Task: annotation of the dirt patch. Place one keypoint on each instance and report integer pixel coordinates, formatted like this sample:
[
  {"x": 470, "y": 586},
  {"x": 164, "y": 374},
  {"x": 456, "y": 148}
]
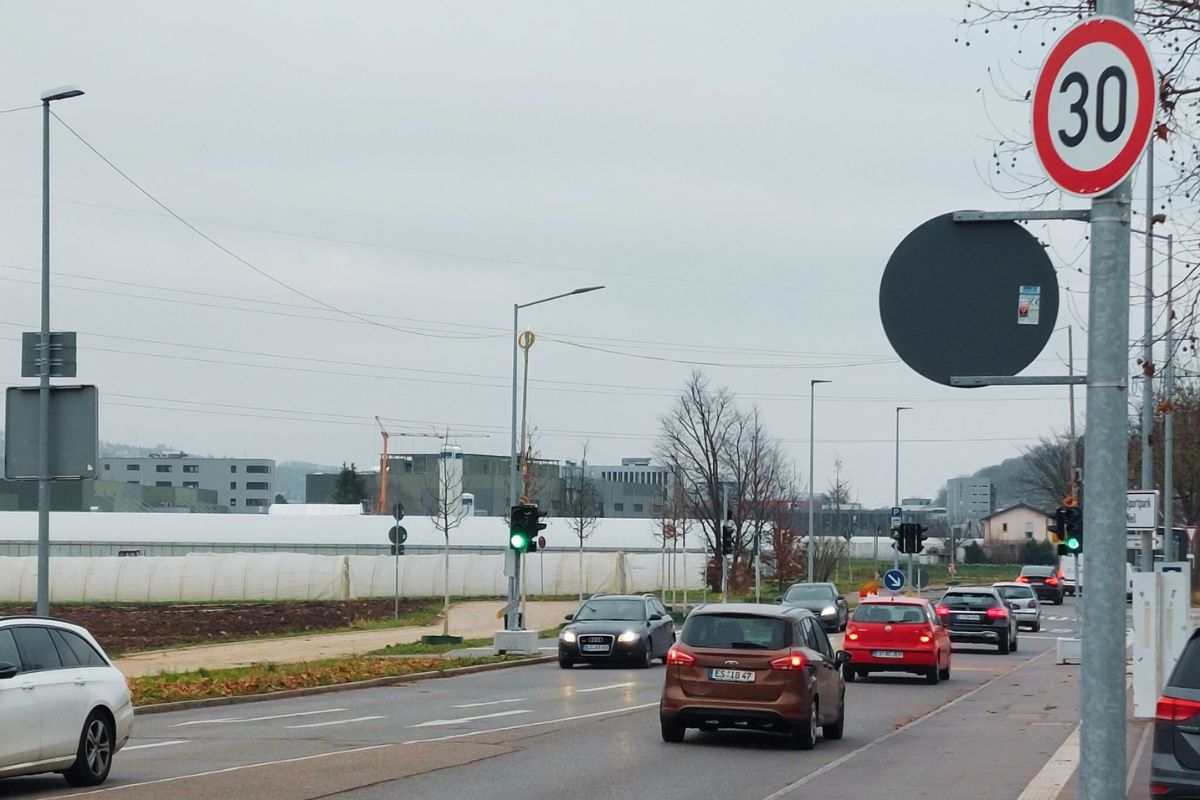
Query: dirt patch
[{"x": 128, "y": 628}]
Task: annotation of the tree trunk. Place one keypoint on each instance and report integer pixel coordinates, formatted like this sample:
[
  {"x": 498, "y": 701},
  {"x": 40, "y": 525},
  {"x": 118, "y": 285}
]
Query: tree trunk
[{"x": 446, "y": 587}]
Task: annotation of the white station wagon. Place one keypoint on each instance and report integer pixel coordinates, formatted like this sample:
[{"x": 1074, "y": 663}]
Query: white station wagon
[{"x": 65, "y": 707}]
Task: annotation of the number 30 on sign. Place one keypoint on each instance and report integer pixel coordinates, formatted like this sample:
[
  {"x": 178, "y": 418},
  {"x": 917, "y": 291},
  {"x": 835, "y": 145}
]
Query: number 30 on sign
[{"x": 1093, "y": 106}]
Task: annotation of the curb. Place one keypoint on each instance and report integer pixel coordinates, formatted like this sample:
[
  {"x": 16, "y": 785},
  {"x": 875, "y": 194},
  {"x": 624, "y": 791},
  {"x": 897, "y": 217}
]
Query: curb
[{"x": 391, "y": 680}]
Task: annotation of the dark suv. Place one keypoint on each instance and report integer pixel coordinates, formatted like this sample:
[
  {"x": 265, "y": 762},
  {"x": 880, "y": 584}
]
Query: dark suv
[
  {"x": 1045, "y": 582},
  {"x": 748, "y": 665},
  {"x": 978, "y": 615},
  {"x": 1175, "y": 765}
]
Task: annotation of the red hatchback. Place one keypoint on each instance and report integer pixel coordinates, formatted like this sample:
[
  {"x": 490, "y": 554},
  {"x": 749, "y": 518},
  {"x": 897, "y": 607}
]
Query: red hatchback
[{"x": 897, "y": 634}]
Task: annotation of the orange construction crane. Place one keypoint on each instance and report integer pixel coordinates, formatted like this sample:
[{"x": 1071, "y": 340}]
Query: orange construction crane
[{"x": 381, "y": 505}]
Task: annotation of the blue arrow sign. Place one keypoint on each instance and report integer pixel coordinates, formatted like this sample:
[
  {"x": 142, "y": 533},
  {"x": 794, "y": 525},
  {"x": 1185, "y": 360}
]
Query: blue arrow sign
[{"x": 893, "y": 580}]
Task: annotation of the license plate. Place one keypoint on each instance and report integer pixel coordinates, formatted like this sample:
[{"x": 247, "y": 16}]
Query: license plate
[
  {"x": 969, "y": 618},
  {"x": 887, "y": 654},
  {"x": 595, "y": 648},
  {"x": 732, "y": 675}
]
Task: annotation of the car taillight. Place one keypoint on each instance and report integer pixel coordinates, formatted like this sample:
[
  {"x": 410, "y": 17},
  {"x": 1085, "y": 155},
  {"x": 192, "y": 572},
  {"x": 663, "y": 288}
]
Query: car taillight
[
  {"x": 997, "y": 613},
  {"x": 1052, "y": 581},
  {"x": 924, "y": 638},
  {"x": 1172, "y": 709},
  {"x": 790, "y": 661},
  {"x": 680, "y": 658},
  {"x": 1022, "y": 579},
  {"x": 1159, "y": 788},
  {"x": 942, "y": 611},
  {"x": 852, "y": 634}
]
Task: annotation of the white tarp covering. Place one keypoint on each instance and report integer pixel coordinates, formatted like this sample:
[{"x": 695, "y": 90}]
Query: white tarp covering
[{"x": 209, "y": 577}]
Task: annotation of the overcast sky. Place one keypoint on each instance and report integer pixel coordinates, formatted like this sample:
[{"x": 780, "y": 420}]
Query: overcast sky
[{"x": 736, "y": 174}]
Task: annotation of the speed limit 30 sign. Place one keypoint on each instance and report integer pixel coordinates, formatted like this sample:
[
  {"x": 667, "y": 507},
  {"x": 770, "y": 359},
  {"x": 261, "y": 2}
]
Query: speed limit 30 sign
[{"x": 1093, "y": 106}]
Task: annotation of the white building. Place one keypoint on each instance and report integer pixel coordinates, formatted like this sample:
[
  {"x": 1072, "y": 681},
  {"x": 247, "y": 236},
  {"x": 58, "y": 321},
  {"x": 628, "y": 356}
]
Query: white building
[{"x": 243, "y": 485}]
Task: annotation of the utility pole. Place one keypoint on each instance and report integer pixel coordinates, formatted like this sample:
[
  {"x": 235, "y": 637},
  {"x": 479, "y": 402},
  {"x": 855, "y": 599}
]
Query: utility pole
[
  {"x": 1102, "y": 769},
  {"x": 1074, "y": 447},
  {"x": 1147, "y": 482},
  {"x": 1169, "y": 553}
]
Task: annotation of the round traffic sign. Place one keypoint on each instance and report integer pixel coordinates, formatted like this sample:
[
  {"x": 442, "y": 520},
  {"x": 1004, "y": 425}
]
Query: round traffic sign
[
  {"x": 1093, "y": 106},
  {"x": 541, "y": 542},
  {"x": 893, "y": 580},
  {"x": 398, "y": 535}
]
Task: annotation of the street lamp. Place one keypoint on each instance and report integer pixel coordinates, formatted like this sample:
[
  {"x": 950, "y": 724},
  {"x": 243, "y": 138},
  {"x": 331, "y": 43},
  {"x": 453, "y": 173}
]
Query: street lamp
[
  {"x": 514, "y": 580},
  {"x": 812, "y": 538},
  {"x": 43, "y": 555},
  {"x": 896, "y": 553}
]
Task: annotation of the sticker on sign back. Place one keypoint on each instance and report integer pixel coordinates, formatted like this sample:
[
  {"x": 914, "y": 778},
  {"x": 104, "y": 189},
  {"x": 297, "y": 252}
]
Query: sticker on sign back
[{"x": 1029, "y": 304}]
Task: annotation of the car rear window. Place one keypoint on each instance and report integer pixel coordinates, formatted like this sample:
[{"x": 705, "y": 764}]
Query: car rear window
[
  {"x": 1015, "y": 592},
  {"x": 1041, "y": 572},
  {"x": 890, "y": 614},
  {"x": 736, "y": 632},
  {"x": 1187, "y": 671},
  {"x": 969, "y": 601}
]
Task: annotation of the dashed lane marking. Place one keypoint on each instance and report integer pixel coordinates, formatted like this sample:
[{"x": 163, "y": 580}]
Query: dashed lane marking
[
  {"x": 333, "y": 722},
  {"x": 257, "y": 719},
  {"x": 433, "y": 723},
  {"x": 150, "y": 745}
]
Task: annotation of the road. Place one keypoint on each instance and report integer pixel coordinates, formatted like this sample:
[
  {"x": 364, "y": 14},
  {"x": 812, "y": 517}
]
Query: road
[{"x": 541, "y": 732}]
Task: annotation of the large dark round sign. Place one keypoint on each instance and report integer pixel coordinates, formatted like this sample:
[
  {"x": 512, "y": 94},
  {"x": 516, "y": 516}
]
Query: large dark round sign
[
  {"x": 398, "y": 535},
  {"x": 968, "y": 298}
]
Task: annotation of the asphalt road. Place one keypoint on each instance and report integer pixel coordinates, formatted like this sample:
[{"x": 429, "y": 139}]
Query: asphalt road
[{"x": 541, "y": 732}]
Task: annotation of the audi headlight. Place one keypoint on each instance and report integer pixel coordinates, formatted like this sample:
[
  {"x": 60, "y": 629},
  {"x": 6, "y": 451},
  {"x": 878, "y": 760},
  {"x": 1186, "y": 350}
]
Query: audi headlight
[
  {"x": 828, "y": 611},
  {"x": 628, "y": 636},
  {"x": 568, "y": 636}
]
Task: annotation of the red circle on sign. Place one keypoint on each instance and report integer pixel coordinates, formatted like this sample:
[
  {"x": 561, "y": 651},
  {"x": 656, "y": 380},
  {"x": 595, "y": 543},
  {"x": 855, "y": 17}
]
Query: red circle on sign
[
  {"x": 1122, "y": 36},
  {"x": 541, "y": 542}
]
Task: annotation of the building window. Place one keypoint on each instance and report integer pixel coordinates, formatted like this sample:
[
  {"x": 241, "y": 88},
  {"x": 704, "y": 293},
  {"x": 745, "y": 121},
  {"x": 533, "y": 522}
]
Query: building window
[
  {"x": 258, "y": 486},
  {"x": 191, "y": 469},
  {"x": 256, "y": 502},
  {"x": 258, "y": 469},
  {"x": 133, "y": 467},
  {"x": 233, "y": 484},
  {"x": 618, "y": 506},
  {"x": 233, "y": 501},
  {"x": 132, "y": 483},
  {"x": 637, "y": 507},
  {"x": 1004, "y": 527},
  {"x": 162, "y": 483},
  {"x": 1029, "y": 535},
  {"x": 107, "y": 467},
  {"x": 191, "y": 484},
  {"x": 232, "y": 468},
  {"x": 162, "y": 467}
]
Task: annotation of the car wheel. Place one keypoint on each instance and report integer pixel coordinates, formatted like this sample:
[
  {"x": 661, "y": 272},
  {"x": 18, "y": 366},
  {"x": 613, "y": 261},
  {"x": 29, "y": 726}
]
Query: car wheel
[
  {"x": 647, "y": 657},
  {"x": 672, "y": 731},
  {"x": 93, "y": 760},
  {"x": 849, "y": 673},
  {"x": 945, "y": 673},
  {"x": 1003, "y": 645},
  {"x": 565, "y": 663},
  {"x": 932, "y": 676},
  {"x": 1012, "y": 647},
  {"x": 804, "y": 736},
  {"x": 834, "y": 731},
  {"x": 1037, "y": 626}
]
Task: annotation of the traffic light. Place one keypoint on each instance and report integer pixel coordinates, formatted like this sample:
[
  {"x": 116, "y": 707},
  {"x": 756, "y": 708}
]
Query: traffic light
[
  {"x": 919, "y": 536},
  {"x": 1073, "y": 531},
  {"x": 898, "y": 539},
  {"x": 1058, "y": 527},
  {"x": 524, "y": 525},
  {"x": 727, "y": 538}
]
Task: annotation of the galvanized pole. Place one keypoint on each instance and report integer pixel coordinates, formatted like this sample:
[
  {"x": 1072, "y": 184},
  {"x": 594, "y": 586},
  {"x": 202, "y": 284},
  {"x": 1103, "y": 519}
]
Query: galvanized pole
[
  {"x": 1147, "y": 481},
  {"x": 895, "y": 552},
  {"x": 1102, "y": 696},
  {"x": 1169, "y": 553},
  {"x": 721, "y": 545},
  {"x": 43, "y": 554},
  {"x": 514, "y": 580},
  {"x": 812, "y": 534},
  {"x": 1074, "y": 448}
]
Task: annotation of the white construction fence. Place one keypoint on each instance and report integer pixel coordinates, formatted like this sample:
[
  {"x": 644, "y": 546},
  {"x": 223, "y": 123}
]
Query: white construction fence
[{"x": 223, "y": 577}]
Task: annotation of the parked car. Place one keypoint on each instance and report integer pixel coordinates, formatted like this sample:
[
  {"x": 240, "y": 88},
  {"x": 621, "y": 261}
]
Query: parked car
[
  {"x": 1175, "y": 763},
  {"x": 897, "y": 634},
  {"x": 979, "y": 615},
  {"x": 1045, "y": 582},
  {"x": 747, "y": 665},
  {"x": 1022, "y": 602},
  {"x": 65, "y": 707},
  {"x": 618, "y": 627},
  {"x": 823, "y": 600}
]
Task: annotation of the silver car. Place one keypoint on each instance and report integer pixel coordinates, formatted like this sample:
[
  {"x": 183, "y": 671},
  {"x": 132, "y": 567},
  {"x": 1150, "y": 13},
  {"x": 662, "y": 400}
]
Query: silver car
[{"x": 1023, "y": 602}]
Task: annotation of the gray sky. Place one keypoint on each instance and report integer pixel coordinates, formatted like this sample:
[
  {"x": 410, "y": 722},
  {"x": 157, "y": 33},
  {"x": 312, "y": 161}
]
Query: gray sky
[{"x": 737, "y": 174}]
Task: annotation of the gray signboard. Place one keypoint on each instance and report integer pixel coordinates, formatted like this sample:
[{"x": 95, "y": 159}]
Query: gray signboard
[
  {"x": 62, "y": 354},
  {"x": 74, "y": 432}
]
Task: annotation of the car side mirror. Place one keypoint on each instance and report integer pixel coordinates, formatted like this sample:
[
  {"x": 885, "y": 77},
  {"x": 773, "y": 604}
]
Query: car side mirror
[
  {"x": 8, "y": 670},
  {"x": 569, "y": 617},
  {"x": 842, "y": 657},
  {"x": 655, "y": 617}
]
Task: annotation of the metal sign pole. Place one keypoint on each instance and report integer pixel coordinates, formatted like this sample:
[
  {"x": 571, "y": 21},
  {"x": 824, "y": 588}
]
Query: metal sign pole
[
  {"x": 43, "y": 495},
  {"x": 1102, "y": 684},
  {"x": 396, "y": 553},
  {"x": 1147, "y": 476}
]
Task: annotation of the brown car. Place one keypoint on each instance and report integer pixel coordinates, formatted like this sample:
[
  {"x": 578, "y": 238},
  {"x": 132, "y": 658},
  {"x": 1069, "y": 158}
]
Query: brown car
[{"x": 744, "y": 665}]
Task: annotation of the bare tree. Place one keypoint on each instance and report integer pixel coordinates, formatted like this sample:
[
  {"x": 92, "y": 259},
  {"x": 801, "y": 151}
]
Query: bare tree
[
  {"x": 838, "y": 496},
  {"x": 445, "y": 508},
  {"x": 672, "y": 524},
  {"x": 581, "y": 504},
  {"x": 1047, "y": 473}
]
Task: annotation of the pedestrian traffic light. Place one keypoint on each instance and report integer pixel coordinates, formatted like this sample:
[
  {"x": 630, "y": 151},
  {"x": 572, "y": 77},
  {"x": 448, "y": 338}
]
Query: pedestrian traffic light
[{"x": 727, "y": 538}]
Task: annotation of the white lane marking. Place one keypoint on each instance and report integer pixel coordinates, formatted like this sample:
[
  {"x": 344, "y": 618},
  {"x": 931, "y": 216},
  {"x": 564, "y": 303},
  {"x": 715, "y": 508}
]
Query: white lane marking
[
  {"x": 1055, "y": 774},
  {"x": 523, "y": 726},
  {"x": 1137, "y": 756},
  {"x": 602, "y": 688},
  {"x": 490, "y": 703},
  {"x": 832, "y": 765},
  {"x": 433, "y": 723},
  {"x": 129, "y": 747},
  {"x": 227, "y": 770},
  {"x": 332, "y": 722},
  {"x": 257, "y": 719}
]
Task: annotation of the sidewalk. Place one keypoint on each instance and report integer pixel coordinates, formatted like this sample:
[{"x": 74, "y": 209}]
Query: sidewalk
[{"x": 469, "y": 620}]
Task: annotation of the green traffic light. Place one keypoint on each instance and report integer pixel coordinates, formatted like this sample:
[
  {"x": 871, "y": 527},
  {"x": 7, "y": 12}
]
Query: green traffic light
[
  {"x": 518, "y": 541},
  {"x": 1073, "y": 543}
]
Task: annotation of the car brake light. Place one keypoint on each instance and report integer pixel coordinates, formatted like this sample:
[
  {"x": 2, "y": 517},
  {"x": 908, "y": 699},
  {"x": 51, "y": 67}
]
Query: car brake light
[
  {"x": 792, "y": 660},
  {"x": 942, "y": 611},
  {"x": 924, "y": 638},
  {"x": 1173, "y": 709},
  {"x": 852, "y": 634},
  {"x": 997, "y": 613},
  {"x": 1022, "y": 579},
  {"x": 1052, "y": 581},
  {"x": 1159, "y": 788},
  {"x": 679, "y": 658}
]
